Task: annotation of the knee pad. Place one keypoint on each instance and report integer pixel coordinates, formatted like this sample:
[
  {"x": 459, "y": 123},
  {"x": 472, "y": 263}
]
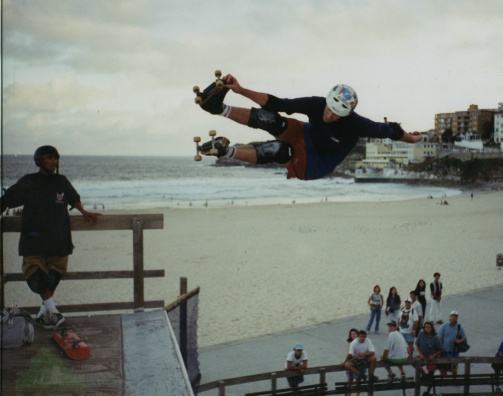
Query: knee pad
[
  {"x": 268, "y": 121},
  {"x": 53, "y": 278},
  {"x": 37, "y": 282},
  {"x": 273, "y": 151}
]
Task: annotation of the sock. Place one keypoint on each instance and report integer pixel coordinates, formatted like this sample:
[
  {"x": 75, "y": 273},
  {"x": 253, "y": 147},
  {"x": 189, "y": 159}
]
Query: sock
[
  {"x": 226, "y": 112},
  {"x": 49, "y": 303},
  {"x": 231, "y": 152},
  {"x": 43, "y": 310}
]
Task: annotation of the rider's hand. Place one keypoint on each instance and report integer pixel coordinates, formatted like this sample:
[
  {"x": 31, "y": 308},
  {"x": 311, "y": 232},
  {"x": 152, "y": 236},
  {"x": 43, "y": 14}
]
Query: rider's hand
[{"x": 232, "y": 83}]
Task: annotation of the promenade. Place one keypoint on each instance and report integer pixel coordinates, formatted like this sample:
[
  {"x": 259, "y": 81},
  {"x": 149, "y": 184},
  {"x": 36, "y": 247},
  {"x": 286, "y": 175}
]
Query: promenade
[{"x": 480, "y": 313}]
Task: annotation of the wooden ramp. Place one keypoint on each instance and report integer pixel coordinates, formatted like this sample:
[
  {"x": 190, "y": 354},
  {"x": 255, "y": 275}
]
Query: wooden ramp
[{"x": 131, "y": 354}]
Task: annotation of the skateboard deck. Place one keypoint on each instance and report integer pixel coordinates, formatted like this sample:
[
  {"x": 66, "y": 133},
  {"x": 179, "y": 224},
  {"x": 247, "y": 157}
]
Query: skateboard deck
[
  {"x": 213, "y": 150},
  {"x": 212, "y": 89},
  {"x": 71, "y": 344}
]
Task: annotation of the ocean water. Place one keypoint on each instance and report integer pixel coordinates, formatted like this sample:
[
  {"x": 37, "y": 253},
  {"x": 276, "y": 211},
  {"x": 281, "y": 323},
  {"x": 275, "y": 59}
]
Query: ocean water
[{"x": 179, "y": 182}]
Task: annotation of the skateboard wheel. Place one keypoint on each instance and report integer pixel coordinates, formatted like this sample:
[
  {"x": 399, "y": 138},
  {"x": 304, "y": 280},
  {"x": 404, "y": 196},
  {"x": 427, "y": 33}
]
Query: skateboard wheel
[
  {"x": 198, "y": 158},
  {"x": 196, "y": 89},
  {"x": 213, "y": 132},
  {"x": 197, "y": 139},
  {"x": 219, "y": 84},
  {"x": 218, "y": 73},
  {"x": 213, "y": 152},
  {"x": 198, "y": 100}
]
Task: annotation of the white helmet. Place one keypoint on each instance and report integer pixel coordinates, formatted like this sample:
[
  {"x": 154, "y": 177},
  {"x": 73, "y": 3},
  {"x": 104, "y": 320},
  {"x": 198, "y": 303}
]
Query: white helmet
[{"x": 341, "y": 100}]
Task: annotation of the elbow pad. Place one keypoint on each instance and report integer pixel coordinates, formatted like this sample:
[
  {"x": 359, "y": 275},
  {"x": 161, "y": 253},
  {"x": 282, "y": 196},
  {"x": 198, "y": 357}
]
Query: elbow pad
[
  {"x": 272, "y": 104},
  {"x": 397, "y": 130}
]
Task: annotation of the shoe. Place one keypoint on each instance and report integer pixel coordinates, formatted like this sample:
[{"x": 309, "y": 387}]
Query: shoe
[
  {"x": 391, "y": 378},
  {"x": 45, "y": 321},
  {"x": 57, "y": 319},
  {"x": 373, "y": 378},
  {"x": 212, "y": 98},
  {"x": 402, "y": 377},
  {"x": 361, "y": 378},
  {"x": 221, "y": 144}
]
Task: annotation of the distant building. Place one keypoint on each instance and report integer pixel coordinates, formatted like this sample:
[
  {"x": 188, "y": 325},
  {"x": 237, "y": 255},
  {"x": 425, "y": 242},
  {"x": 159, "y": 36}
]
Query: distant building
[
  {"x": 387, "y": 153},
  {"x": 462, "y": 122},
  {"x": 498, "y": 125}
]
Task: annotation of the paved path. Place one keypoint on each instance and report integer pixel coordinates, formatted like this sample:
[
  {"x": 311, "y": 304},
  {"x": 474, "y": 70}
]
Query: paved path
[{"x": 480, "y": 313}]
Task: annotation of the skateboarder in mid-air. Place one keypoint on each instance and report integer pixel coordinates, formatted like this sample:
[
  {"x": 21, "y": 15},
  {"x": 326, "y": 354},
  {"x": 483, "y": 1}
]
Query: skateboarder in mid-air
[{"x": 309, "y": 150}]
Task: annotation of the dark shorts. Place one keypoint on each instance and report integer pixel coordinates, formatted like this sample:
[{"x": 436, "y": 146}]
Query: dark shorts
[{"x": 306, "y": 163}]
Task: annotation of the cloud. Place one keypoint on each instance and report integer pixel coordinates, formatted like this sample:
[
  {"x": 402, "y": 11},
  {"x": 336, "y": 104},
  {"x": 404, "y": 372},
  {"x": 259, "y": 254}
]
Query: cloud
[{"x": 121, "y": 72}]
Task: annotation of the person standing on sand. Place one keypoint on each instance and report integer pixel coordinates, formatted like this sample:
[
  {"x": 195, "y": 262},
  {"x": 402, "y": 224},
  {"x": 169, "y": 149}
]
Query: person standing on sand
[
  {"x": 393, "y": 302},
  {"x": 45, "y": 240},
  {"x": 421, "y": 295},
  {"x": 375, "y": 302},
  {"x": 309, "y": 150},
  {"x": 436, "y": 289}
]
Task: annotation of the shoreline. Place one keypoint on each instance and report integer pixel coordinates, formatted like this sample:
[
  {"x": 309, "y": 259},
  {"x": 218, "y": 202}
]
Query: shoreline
[{"x": 269, "y": 269}]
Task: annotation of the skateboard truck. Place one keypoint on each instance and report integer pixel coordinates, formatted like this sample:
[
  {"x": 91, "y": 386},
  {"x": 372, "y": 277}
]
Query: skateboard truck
[
  {"x": 213, "y": 150},
  {"x": 219, "y": 84}
]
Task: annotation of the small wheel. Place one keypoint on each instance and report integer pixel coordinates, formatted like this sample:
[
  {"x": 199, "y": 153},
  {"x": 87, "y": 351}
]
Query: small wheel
[
  {"x": 196, "y": 89},
  {"x": 213, "y": 152},
  {"x": 213, "y": 132},
  {"x": 218, "y": 73},
  {"x": 219, "y": 84},
  {"x": 198, "y": 100},
  {"x": 197, "y": 139},
  {"x": 198, "y": 158}
]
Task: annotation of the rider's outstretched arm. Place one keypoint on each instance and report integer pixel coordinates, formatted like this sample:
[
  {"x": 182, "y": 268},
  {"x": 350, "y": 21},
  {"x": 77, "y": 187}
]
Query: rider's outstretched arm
[{"x": 232, "y": 83}]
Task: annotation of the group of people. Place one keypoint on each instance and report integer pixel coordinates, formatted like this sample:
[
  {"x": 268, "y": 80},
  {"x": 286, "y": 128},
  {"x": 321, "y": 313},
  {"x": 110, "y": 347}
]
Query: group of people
[
  {"x": 413, "y": 313},
  {"x": 361, "y": 354}
]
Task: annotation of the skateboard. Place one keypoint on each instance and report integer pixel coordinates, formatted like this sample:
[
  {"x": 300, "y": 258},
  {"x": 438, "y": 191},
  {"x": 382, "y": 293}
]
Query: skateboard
[
  {"x": 71, "y": 344},
  {"x": 213, "y": 150},
  {"x": 212, "y": 89}
]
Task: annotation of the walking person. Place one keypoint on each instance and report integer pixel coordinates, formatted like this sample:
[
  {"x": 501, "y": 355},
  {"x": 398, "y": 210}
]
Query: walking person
[{"x": 375, "y": 303}]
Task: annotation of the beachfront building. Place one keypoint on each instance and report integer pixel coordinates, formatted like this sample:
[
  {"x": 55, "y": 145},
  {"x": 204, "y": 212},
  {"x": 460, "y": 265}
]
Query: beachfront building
[
  {"x": 461, "y": 122},
  {"x": 395, "y": 154},
  {"x": 498, "y": 125}
]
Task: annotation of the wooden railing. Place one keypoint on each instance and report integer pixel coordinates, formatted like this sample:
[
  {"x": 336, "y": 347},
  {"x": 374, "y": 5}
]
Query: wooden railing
[
  {"x": 133, "y": 222},
  {"x": 322, "y": 371}
]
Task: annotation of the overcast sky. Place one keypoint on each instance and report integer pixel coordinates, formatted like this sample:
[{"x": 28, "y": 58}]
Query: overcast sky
[{"x": 115, "y": 77}]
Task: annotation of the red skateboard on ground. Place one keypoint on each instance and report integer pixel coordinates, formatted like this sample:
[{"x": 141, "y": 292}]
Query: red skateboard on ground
[{"x": 71, "y": 344}]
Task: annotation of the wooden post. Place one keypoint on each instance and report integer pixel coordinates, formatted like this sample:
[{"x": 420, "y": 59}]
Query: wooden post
[
  {"x": 139, "y": 291},
  {"x": 221, "y": 388},
  {"x": 274, "y": 381},
  {"x": 322, "y": 375},
  {"x": 183, "y": 321}
]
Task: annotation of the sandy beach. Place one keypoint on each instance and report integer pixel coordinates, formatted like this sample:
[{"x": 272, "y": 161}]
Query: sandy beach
[{"x": 268, "y": 269}]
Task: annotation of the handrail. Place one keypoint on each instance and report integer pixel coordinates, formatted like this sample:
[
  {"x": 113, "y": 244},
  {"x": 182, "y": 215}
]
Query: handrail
[
  {"x": 134, "y": 222},
  {"x": 323, "y": 370}
]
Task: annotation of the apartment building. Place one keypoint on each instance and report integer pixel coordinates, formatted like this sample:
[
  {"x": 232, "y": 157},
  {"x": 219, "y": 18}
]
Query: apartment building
[{"x": 462, "y": 122}]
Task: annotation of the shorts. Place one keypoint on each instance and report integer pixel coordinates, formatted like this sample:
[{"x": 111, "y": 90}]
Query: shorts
[
  {"x": 294, "y": 136},
  {"x": 45, "y": 263},
  {"x": 307, "y": 163},
  {"x": 408, "y": 337},
  {"x": 397, "y": 361}
]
